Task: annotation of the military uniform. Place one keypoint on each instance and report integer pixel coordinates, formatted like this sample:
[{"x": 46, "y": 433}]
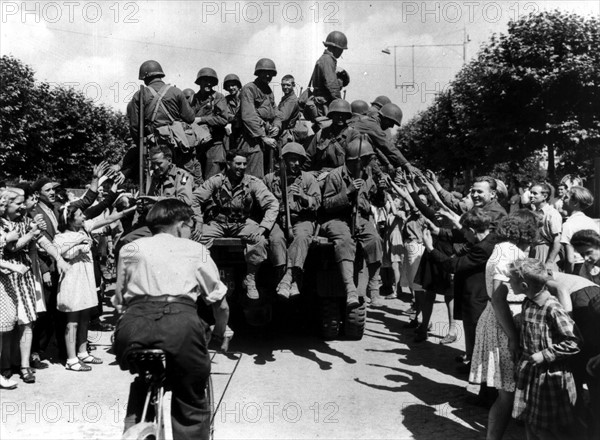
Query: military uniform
[
  {"x": 257, "y": 114},
  {"x": 214, "y": 111},
  {"x": 339, "y": 207},
  {"x": 327, "y": 149},
  {"x": 290, "y": 114},
  {"x": 303, "y": 218},
  {"x": 326, "y": 85},
  {"x": 233, "y": 103},
  {"x": 177, "y": 107},
  {"x": 231, "y": 209}
]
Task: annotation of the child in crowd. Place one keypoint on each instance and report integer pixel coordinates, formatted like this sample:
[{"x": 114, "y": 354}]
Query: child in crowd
[{"x": 545, "y": 391}]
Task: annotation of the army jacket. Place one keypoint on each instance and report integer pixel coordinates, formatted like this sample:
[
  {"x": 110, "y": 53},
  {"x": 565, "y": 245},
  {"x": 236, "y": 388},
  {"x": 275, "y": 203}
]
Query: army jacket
[
  {"x": 309, "y": 185},
  {"x": 257, "y": 109},
  {"x": 338, "y": 204},
  {"x": 371, "y": 126},
  {"x": 235, "y": 204},
  {"x": 214, "y": 111},
  {"x": 324, "y": 78},
  {"x": 176, "y": 183},
  {"x": 327, "y": 150},
  {"x": 289, "y": 110}
]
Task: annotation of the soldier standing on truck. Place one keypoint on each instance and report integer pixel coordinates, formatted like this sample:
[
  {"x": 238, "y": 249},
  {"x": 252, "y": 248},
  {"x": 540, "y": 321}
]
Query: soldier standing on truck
[
  {"x": 260, "y": 119},
  {"x": 326, "y": 81},
  {"x": 212, "y": 111},
  {"x": 233, "y": 85},
  {"x": 303, "y": 198},
  {"x": 289, "y": 110},
  {"x": 327, "y": 149},
  {"x": 347, "y": 197},
  {"x": 232, "y": 198},
  {"x": 164, "y": 105}
]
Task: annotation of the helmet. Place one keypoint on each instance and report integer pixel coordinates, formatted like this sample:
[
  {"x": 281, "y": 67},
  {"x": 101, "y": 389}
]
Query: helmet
[
  {"x": 265, "y": 64},
  {"x": 380, "y": 101},
  {"x": 391, "y": 112},
  {"x": 360, "y": 107},
  {"x": 361, "y": 143},
  {"x": 340, "y": 106},
  {"x": 336, "y": 39},
  {"x": 150, "y": 68},
  {"x": 295, "y": 148},
  {"x": 207, "y": 72},
  {"x": 232, "y": 77},
  {"x": 188, "y": 93}
]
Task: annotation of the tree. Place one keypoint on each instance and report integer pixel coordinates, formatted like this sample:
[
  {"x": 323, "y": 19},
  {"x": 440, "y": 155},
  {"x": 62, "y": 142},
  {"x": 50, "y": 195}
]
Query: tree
[
  {"x": 536, "y": 87},
  {"x": 53, "y": 131}
]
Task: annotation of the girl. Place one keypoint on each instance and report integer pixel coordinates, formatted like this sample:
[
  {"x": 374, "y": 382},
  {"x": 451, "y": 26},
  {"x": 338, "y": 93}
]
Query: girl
[
  {"x": 496, "y": 337},
  {"x": 77, "y": 288},
  {"x": 545, "y": 390}
]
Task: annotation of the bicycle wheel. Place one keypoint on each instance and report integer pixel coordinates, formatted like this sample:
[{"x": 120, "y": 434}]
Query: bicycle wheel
[{"x": 142, "y": 431}]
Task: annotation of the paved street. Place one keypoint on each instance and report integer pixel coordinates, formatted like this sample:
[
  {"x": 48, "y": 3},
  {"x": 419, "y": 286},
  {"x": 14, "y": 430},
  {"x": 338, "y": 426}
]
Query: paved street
[{"x": 288, "y": 384}]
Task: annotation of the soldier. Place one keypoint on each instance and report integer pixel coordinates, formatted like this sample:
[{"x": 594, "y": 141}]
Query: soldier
[
  {"x": 233, "y": 85},
  {"x": 234, "y": 195},
  {"x": 173, "y": 107},
  {"x": 374, "y": 125},
  {"x": 288, "y": 107},
  {"x": 359, "y": 109},
  {"x": 327, "y": 83},
  {"x": 303, "y": 198},
  {"x": 212, "y": 111},
  {"x": 189, "y": 94},
  {"x": 347, "y": 197},
  {"x": 328, "y": 147},
  {"x": 260, "y": 119}
]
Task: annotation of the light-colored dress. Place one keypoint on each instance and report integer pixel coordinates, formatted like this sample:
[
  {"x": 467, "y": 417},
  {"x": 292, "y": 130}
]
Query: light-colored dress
[
  {"x": 8, "y": 297},
  {"x": 492, "y": 361},
  {"x": 77, "y": 287}
]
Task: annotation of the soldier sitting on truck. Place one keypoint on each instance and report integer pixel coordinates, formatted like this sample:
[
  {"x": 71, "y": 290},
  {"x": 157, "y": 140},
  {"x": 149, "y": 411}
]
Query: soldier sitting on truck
[
  {"x": 303, "y": 197},
  {"x": 233, "y": 197},
  {"x": 347, "y": 197}
]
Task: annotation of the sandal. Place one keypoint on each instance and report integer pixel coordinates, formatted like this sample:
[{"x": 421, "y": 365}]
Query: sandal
[
  {"x": 77, "y": 366},
  {"x": 89, "y": 359},
  {"x": 27, "y": 375},
  {"x": 448, "y": 339}
]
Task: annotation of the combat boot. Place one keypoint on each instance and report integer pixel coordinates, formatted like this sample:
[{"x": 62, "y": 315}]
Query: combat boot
[
  {"x": 374, "y": 285},
  {"x": 296, "y": 281},
  {"x": 250, "y": 282},
  {"x": 284, "y": 286},
  {"x": 347, "y": 271}
]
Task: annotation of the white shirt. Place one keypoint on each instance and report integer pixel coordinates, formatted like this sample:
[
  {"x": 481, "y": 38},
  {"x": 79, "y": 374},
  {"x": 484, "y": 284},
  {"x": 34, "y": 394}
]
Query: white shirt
[
  {"x": 167, "y": 265},
  {"x": 578, "y": 221}
]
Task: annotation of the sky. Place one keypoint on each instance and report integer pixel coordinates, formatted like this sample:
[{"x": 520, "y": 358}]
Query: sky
[{"x": 97, "y": 47}]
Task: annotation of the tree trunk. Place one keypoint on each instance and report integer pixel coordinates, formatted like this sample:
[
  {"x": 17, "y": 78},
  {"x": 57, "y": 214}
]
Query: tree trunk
[{"x": 551, "y": 166}]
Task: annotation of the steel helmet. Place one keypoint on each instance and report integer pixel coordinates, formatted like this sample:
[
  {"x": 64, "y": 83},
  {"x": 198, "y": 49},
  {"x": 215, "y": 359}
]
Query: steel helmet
[
  {"x": 265, "y": 64},
  {"x": 391, "y": 112},
  {"x": 361, "y": 143},
  {"x": 150, "y": 68},
  {"x": 340, "y": 106},
  {"x": 359, "y": 107},
  {"x": 188, "y": 93},
  {"x": 232, "y": 77},
  {"x": 207, "y": 72},
  {"x": 336, "y": 39},
  {"x": 295, "y": 148},
  {"x": 380, "y": 101}
]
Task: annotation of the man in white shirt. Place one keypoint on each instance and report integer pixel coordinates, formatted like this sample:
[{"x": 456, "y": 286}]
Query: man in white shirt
[{"x": 547, "y": 246}]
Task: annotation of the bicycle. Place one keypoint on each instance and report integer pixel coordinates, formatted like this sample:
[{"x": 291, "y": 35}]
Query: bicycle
[{"x": 155, "y": 420}]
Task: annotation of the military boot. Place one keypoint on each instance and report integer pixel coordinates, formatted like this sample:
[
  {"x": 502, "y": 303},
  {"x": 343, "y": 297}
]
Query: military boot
[
  {"x": 347, "y": 271},
  {"x": 284, "y": 286},
  {"x": 296, "y": 281},
  {"x": 374, "y": 285},
  {"x": 250, "y": 282}
]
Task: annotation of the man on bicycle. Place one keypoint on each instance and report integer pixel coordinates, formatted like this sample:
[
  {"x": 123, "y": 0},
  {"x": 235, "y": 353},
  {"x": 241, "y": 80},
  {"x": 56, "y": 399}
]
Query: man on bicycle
[{"x": 159, "y": 280}]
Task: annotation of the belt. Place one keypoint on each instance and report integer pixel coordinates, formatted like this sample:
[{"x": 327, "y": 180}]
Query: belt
[{"x": 183, "y": 299}]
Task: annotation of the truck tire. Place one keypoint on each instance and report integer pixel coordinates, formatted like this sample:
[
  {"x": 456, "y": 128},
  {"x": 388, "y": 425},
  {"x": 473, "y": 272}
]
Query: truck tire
[
  {"x": 354, "y": 324},
  {"x": 330, "y": 318}
]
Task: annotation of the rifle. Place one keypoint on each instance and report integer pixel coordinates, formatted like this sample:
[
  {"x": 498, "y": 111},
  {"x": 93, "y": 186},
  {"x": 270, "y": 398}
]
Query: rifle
[
  {"x": 344, "y": 97},
  {"x": 354, "y": 226},
  {"x": 141, "y": 142},
  {"x": 285, "y": 195}
]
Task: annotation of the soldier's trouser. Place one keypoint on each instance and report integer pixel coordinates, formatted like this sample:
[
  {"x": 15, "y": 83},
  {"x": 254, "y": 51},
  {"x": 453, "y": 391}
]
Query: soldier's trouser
[
  {"x": 295, "y": 254},
  {"x": 254, "y": 253},
  {"x": 190, "y": 163},
  {"x": 213, "y": 159},
  {"x": 344, "y": 246}
]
